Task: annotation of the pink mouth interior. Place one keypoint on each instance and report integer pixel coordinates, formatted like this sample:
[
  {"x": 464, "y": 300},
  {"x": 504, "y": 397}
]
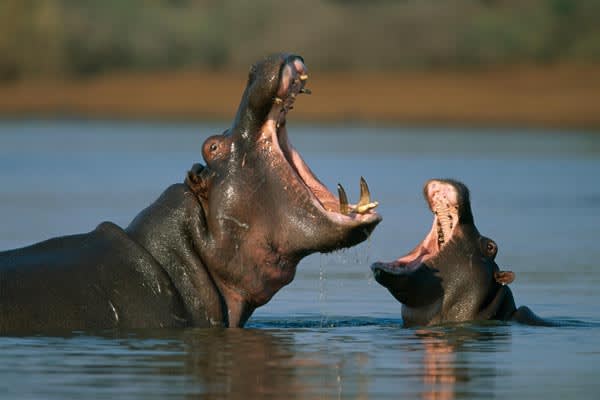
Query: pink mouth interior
[
  {"x": 443, "y": 202},
  {"x": 274, "y": 130}
]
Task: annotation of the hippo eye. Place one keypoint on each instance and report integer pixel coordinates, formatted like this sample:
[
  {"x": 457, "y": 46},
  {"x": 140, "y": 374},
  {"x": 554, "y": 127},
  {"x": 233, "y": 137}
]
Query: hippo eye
[{"x": 213, "y": 147}]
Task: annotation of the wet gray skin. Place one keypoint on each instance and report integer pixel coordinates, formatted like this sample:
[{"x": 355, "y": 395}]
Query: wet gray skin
[
  {"x": 208, "y": 251},
  {"x": 452, "y": 275}
]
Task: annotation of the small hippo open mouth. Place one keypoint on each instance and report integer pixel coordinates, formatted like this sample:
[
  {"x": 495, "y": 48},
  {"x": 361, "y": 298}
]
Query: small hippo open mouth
[
  {"x": 449, "y": 202},
  {"x": 452, "y": 274}
]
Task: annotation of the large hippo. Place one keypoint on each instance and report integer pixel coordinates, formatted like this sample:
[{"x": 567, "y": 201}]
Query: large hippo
[
  {"x": 208, "y": 251},
  {"x": 451, "y": 275}
]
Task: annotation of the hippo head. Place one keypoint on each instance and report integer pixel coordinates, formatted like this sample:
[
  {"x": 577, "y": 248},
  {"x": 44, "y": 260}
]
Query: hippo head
[
  {"x": 451, "y": 275},
  {"x": 262, "y": 206}
]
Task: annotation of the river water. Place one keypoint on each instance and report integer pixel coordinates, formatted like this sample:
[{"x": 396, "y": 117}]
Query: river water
[{"x": 333, "y": 332}]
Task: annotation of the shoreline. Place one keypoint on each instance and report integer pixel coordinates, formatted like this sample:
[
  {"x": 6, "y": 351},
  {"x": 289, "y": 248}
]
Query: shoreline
[{"x": 561, "y": 96}]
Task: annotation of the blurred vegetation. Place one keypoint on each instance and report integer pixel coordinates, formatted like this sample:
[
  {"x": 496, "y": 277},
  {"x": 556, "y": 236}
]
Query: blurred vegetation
[{"x": 78, "y": 38}]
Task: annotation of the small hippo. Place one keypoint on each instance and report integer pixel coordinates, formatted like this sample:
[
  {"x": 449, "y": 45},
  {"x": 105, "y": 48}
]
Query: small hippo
[
  {"x": 451, "y": 276},
  {"x": 208, "y": 251}
]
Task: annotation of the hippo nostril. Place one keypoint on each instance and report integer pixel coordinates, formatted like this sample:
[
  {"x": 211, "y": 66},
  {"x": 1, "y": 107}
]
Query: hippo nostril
[{"x": 298, "y": 63}]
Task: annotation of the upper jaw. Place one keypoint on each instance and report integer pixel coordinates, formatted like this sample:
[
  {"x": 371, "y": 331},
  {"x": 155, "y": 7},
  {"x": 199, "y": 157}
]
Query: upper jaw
[{"x": 292, "y": 81}]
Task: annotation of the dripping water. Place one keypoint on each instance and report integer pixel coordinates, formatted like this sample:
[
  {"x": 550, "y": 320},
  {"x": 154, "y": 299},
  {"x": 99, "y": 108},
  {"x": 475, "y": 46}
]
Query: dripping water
[
  {"x": 322, "y": 290},
  {"x": 368, "y": 273}
]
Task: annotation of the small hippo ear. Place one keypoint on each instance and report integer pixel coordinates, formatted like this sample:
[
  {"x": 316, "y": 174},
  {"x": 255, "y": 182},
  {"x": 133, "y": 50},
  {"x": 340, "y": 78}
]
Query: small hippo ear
[{"x": 504, "y": 277}]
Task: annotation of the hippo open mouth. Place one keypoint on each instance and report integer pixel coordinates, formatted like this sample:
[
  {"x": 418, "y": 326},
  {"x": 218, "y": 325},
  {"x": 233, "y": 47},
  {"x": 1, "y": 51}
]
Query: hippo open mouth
[
  {"x": 449, "y": 202},
  {"x": 259, "y": 138},
  {"x": 293, "y": 78}
]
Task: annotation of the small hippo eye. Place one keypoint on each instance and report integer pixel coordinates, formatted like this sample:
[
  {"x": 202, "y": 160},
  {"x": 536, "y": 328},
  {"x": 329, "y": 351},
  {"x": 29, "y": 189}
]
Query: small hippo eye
[
  {"x": 491, "y": 248},
  {"x": 213, "y": 147}
]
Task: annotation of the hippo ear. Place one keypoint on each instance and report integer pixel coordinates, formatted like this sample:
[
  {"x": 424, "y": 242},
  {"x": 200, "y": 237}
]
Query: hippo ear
[
  {"x": 195, "y": 181},
  {"x": 504, "y": 277}
]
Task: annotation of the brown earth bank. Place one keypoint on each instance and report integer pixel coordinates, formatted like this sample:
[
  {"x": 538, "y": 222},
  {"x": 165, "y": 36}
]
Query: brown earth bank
[{"x": 555, "y": 96}]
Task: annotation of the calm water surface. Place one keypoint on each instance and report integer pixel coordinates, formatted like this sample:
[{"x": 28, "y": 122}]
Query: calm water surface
[{"x": 333, "y": 332}]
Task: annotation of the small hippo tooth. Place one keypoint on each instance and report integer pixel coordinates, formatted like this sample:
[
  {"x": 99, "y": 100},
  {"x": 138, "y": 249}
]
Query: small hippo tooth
[
  {"x": 444, "y": 223},
  {"x": 305, "y": 91},
  {"x": 343, "y": 200},
  {"x": 303, "y": 77},
  {"x": 277, "y": 100}
]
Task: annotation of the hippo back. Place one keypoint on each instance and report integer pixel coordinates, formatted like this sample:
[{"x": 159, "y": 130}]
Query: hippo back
[{"x": 100, "y": 279}]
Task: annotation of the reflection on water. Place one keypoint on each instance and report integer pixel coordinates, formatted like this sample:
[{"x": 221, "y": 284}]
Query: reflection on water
[
  {"x": 446, "y": 364},
  {"x": 252, "y": 363},
  {"x": 439, "y": 372},
  {"x": 333, "y": 333},
  {"x": 246, "y": 364}
]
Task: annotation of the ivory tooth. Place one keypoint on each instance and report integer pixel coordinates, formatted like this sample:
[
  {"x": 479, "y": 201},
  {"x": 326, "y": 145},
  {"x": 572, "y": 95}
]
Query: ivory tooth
[
  {"x": 365, "y": 195},
  {"x": 303, "y": 77},
  {"x": 277, "y": 100},
  {"x": 343, "y": 200},
  {"x": 364, "y": 208},
  {"x": 364, "y": 204}
]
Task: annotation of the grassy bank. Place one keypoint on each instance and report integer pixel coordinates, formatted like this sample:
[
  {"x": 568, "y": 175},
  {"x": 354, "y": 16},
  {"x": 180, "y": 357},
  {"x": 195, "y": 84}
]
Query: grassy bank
[
  {"x": 83, "y": 38},
  {"x": 556, "y": 96}
]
